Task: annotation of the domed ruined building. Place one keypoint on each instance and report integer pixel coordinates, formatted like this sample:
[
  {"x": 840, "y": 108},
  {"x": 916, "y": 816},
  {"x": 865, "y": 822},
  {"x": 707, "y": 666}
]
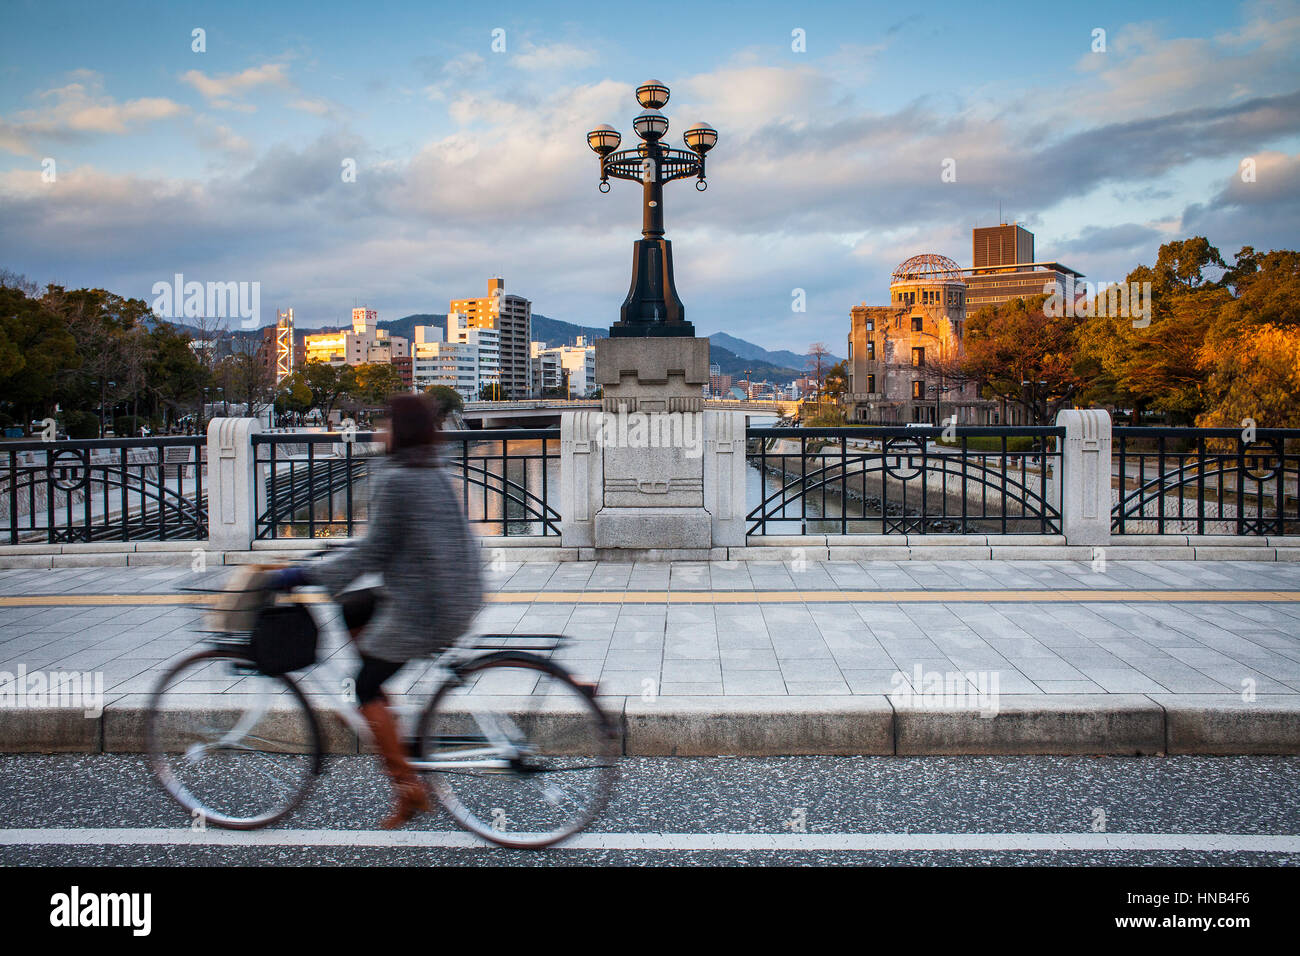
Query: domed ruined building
[{"x": 903, "y": 357}]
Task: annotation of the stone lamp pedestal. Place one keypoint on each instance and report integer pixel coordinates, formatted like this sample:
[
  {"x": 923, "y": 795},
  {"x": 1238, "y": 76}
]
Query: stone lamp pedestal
[{"x": 652, "y": 470}]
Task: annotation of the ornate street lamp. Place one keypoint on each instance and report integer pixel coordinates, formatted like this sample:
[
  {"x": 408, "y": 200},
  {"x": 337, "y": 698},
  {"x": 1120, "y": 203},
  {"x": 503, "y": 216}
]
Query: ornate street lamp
[{"x": 652, "y": 307}]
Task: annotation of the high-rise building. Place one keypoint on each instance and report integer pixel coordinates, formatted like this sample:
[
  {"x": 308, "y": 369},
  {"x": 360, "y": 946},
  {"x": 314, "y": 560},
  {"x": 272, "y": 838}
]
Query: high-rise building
[
  {"x": 1003, "y": 245},
  {"x": 486, "y": 344},
  {"x": 1004, "y": 268},
  {"x": 405, "y": 371},
  {"x": 511, "y": 316},
  {"x": 364, "y": 321}
]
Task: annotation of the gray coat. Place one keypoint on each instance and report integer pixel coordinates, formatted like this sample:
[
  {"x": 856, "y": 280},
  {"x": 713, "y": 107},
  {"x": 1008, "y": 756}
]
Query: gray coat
[{"x": 419, "y": 540}]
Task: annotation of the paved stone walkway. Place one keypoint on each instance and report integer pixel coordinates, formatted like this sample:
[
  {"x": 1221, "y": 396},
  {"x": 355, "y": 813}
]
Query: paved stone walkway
[{"x": 764, "y": 628}]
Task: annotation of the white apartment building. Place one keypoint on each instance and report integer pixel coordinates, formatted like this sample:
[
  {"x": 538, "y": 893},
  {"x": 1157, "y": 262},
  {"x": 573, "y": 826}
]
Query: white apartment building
[
  {"x": 435, "y": 361},
  {"x": 568, "y": 367},
  {"x": 485, "y": 342}
]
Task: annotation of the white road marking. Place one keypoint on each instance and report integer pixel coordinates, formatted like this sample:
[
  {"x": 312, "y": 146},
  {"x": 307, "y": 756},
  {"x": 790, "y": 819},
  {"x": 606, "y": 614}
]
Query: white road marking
[{"x": 774, "y": 842}]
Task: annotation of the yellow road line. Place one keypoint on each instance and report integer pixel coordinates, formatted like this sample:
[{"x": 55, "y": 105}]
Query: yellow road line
[{"x": 1000, "y": 596}]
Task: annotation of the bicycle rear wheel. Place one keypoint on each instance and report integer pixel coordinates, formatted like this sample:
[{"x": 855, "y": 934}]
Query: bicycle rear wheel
[
  {"x": 518, "y": 751},
  {"x": 234, "y": 747}
]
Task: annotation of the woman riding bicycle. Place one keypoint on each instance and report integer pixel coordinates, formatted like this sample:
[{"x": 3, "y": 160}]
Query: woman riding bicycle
[{"x": 421, "y": 544}]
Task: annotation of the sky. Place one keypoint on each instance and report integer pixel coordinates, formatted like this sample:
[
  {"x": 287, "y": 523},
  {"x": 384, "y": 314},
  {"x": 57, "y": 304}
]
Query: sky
[{"x": 466, "y": 123}]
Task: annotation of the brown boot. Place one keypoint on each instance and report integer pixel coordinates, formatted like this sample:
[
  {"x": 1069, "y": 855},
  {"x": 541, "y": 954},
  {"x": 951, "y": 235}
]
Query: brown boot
[{"x": 411, "y": 796}]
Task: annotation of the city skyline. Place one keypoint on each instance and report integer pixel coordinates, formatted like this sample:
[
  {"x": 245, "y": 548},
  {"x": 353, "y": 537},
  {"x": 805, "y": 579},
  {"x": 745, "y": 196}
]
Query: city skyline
[{"x": 230, "y": 164}]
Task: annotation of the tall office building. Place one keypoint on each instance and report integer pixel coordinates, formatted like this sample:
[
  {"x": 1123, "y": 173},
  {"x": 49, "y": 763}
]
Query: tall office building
[
  {"x": 1003, "y": 245},
  {"x": 1004, "y": 268},
  {"x": 511, "y": 316}
]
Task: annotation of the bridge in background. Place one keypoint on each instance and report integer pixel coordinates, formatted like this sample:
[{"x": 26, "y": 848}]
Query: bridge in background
[{"x": 543, "y": 412}]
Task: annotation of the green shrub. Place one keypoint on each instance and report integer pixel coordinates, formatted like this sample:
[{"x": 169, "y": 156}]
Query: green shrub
[
  {"x": 828, "y": 416},
  {"x": 993, "y": 443},
  {"x": 81, "y": 424},
  {"x": 447, "y": 396},
  {"x": 128, "y": 426}
]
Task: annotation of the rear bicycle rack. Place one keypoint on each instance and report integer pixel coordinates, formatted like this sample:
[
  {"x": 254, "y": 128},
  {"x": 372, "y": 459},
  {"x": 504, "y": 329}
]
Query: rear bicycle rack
[{"x": 512, "y": 642}]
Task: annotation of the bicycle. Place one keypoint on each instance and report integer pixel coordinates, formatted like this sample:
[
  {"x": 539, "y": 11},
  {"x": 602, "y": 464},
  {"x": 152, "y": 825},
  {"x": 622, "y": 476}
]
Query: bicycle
[{"x": 518, "y": 751}]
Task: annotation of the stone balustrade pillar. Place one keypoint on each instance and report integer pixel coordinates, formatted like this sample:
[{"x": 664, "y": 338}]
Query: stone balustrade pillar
[
  {"x": 232, "y": 483},
  {"x": 1081, "y": 486}
]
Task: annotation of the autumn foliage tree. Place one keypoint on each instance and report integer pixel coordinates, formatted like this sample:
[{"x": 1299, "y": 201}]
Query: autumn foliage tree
[
  {"x": 1252, "y": 353},
  {"x": 1017, "y": 342},
  {"x": 1159, "y": 366}
]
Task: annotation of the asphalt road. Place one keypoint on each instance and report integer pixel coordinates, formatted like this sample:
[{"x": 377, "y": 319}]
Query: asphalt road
[{"x": 1179, "y": 811}]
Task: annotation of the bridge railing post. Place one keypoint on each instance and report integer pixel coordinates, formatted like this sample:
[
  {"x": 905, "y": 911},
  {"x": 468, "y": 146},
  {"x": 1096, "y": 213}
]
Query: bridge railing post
[
  {"x": 724, "y": 476},
  {"x": 1081, "y": 486},
  {"x": 582, "y": 476},
  {"x": 232, "y": 483}
]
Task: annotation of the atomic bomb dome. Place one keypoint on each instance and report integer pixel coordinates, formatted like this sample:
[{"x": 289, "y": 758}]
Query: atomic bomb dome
[{"x": 928, "y": 267}]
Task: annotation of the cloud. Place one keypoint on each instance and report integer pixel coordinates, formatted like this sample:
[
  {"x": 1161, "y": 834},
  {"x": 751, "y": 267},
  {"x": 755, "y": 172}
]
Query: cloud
[
  {"x": 555, "y": 56},
  {"x": 223, "y": 92},
  {"x": 812, "y": 185},
  {"x": 78, "y": 110},
  {"x": 315, "y": 107},
  {"x": 1263, "y": 213},
  {"x": 1124, "y": 237},
  {"x": 452, "y": 75},
  {"x": 1143, "y": 70}
]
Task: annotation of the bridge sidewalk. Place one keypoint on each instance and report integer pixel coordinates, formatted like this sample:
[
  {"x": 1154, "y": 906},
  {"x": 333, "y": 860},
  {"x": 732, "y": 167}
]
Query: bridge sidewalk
[{"x": 890, "y": 657}]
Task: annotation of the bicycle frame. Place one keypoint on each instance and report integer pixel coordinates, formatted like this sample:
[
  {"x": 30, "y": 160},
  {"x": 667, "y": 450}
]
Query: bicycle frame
[{"x": 498, "y": 755}]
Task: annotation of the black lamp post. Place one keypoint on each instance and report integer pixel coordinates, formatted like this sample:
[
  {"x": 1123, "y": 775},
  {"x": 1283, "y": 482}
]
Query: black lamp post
[
  {"x": 652, "y": 307},
  {"x": 1037, "y": 395},
  {"x": 939, "y": 391}
]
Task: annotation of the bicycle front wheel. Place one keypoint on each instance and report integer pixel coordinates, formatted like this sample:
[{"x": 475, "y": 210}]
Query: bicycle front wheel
[
  {"x": 518, "y": 751},
  {"x": 234, "y": 747}
]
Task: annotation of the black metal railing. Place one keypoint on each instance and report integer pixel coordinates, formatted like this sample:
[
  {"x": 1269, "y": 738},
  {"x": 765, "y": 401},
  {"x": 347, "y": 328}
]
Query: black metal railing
[
  {"x": 898, "y": 480},
  {"x": 113, "y": 489},
  {"x": 509, "y": 478},
  {"x": 1206, "y": 481}
]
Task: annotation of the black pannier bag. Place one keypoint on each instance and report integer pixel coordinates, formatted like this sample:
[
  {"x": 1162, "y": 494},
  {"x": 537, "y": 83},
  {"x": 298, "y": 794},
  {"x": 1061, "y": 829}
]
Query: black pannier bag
[{"x": 284, "y": 639}]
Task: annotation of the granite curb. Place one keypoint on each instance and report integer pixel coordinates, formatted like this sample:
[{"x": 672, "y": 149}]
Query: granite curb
[{"x": 1132, "y": 724}]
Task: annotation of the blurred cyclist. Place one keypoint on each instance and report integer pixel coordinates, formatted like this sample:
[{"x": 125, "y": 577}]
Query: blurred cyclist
[{"x": 419, "y": 541}]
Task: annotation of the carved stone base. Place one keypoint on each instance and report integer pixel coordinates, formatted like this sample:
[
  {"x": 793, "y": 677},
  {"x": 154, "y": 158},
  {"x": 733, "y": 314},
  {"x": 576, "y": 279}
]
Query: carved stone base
[{"x": 643, "y": 528}]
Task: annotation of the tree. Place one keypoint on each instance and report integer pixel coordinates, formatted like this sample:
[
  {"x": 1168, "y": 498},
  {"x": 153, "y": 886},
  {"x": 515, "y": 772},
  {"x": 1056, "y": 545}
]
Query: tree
[
  {"x": 1257, "y": 379},
  {"x": 492, "y": 392},
  {"x": 1017, "y": 342},
  {"x": 36, "y": 348},
  {"x": 818, "y": 357},
  {"x": 1159, "y": 365},
  {"x": 1180, "y": 267},
  {"x": 447, "y": 397},
  {"x": 327, "y": 384},
  {"x": 114, "y": 343},
  {"x": 294, "y": 396},
  {"x": 1252, "y": 353},
  {"x": 374, "y": 383},
  {"x": 837, "y": 381}
]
